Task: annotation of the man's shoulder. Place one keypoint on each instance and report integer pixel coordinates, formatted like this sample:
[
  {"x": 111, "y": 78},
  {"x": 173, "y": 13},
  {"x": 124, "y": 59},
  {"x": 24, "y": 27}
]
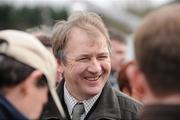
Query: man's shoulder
[
  {"x": 128, "y": 103},
  {"x": 117, "y": 105},
  {"x": 4, "y": 113}
]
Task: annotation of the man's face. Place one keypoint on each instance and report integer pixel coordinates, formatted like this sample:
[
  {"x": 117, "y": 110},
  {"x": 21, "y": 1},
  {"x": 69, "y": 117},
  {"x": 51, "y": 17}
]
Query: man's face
[
  {"x": 40, "y": 98},
  {"x": 87, "y": 64},
  {"x": 36, "y": 98},
  {"x": 118, "y": 55}
]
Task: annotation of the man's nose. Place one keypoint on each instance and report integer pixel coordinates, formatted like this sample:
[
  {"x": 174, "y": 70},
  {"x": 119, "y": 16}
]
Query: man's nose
[{"x": 95, "y": 66}]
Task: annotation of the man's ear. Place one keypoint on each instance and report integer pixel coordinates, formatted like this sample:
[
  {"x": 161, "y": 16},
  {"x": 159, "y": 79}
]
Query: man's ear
[
  {"x": 30, "y": 82},
  {"x": 137, "y": 81},
  {"x": 59, "y": 71}
]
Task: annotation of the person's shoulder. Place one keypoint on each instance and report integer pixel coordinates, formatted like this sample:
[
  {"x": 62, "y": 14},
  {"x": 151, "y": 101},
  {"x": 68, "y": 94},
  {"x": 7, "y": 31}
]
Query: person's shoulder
[
  {"x": 128, "y": 103},
  {"x": 1, "y": 115},
  {"x": 4, "y": 113}
]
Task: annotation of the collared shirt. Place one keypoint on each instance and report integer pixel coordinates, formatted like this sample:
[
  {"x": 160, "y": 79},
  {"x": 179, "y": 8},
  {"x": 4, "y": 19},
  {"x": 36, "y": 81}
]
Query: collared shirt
[{"x": 71, "y": 101}]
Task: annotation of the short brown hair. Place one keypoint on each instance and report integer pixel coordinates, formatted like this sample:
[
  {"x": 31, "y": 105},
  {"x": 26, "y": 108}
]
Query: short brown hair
[
  {"x": 62, "y": 29},
  {"x": 117, "y": 36},
  {"x": 157, "y": 48}
]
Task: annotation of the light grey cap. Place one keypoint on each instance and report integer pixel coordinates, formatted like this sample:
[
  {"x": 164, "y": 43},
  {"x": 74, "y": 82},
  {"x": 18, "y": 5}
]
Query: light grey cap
[{"x": 27, "y": 49}]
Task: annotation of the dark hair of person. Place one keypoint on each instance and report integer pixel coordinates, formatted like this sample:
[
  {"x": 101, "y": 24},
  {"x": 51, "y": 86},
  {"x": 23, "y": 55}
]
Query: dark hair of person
[
  {"x": 45, "y": 39},
  {"x": 117, "y": 36},
  {"x": 13, "y": 72},
  {"x": 157, "y": 49},
  {"x": 123, "y": 81}
]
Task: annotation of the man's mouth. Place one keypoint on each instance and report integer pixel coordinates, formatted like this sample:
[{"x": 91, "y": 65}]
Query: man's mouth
[{"x": 93, "y": 78}]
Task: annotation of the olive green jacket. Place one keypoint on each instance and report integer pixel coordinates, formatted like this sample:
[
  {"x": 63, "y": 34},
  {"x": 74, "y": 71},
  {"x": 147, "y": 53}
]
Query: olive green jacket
[{"x": 111, "y": 105}]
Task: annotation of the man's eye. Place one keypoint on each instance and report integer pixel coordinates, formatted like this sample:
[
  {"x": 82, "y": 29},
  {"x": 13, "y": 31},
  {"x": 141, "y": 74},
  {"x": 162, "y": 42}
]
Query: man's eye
[
  {"x": 102, "y": 57},
  {"x": 83, "y": 59}
]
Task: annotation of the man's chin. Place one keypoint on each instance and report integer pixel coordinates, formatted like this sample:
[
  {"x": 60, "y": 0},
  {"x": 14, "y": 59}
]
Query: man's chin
[{"x": 94, "y": 91}]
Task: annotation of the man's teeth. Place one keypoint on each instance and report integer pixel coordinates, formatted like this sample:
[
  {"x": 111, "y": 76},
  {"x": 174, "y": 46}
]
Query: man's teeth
[{"x": 92, "y": 78}]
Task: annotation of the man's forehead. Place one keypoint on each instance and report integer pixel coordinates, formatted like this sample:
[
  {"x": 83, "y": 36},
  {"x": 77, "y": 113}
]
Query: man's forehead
[
  {"x": 81, "y": 36},
  {"x": 90, "y": 30},
  {"x": 83, "y": 51},
  {"x": 86, "y": 55},
  {"x": 87, "y": 49}
]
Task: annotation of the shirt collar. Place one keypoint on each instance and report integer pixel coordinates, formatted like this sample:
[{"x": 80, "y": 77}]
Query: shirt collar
[{"x": 71, "y": 101}]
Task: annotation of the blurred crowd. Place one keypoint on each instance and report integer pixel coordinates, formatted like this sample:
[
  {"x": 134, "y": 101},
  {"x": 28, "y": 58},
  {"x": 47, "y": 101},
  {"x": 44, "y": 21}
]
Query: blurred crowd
[{"x": 79, "y": 70}]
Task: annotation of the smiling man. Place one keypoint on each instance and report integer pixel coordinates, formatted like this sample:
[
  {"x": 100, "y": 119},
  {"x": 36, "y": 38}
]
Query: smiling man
[{"x": 82, "y": 45}]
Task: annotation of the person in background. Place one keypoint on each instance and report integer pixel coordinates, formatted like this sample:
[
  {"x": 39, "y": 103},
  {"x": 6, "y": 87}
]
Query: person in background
[
  {"x": 44, "y": 38},
  {"x": 118, "y": 56},
  {"x": 83, "y": 46},
  {"x": 43, "y": 34},
  {"x": 125, "y": 83},
  {"x": 27, "y": 69},
  {"x": 156, "y": 75}
]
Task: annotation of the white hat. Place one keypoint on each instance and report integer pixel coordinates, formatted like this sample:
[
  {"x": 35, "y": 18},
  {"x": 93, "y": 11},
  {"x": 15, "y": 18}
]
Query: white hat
[{"x": 27, "y": 49}]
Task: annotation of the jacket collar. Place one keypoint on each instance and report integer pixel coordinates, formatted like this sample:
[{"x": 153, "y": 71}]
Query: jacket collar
[
  {"x": 107, "y": 105},
  {"x": 11, "y": 111}
]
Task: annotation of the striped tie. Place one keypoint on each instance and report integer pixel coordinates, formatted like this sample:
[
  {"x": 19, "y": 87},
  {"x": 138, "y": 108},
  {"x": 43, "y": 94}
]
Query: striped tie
[{"x": 78, "y": 110}]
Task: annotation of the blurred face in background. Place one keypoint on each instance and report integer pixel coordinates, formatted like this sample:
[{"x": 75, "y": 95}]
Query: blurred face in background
[
  {"x": 29, "y": 97},
  {"x": 36, "y": 97},
  {"x": 118, "y": 56},
  {"x": 87, "y": 64}
]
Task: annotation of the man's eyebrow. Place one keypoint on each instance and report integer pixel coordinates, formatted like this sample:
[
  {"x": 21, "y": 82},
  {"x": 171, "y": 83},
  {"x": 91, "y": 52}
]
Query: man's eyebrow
[
  {"x": 87, "y": 55},
  {"x": 103, "y": 53},
  {"x": 83, "y": 55}
]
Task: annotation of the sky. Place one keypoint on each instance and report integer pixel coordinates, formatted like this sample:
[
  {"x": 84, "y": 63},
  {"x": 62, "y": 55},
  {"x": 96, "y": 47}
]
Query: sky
[{"x": 102, "y": 3}]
